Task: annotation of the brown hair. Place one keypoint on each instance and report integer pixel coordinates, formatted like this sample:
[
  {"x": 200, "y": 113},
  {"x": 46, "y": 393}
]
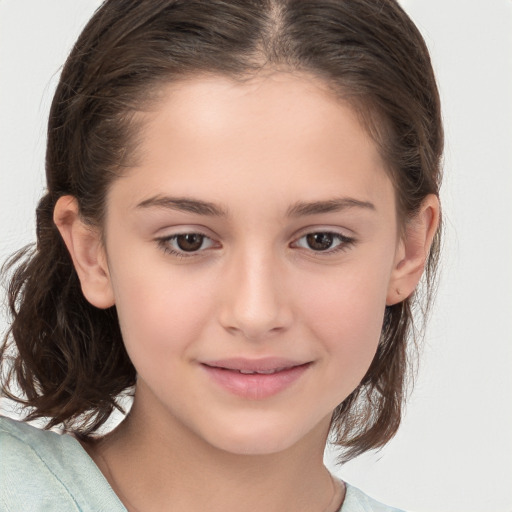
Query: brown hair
[{"x": 69, "y": 359}]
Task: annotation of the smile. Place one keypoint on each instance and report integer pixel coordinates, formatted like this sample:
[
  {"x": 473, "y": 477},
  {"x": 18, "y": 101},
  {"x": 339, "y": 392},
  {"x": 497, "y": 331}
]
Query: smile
[
  {"x": 261, "y": 372},
  {"x": 255, "y": 380}
]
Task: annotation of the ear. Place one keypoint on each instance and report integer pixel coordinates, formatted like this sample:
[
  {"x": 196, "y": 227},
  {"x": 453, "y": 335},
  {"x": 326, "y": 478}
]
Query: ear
[
  {"x": 86, "y": 249},
  {"x": 412, "y": 251}
]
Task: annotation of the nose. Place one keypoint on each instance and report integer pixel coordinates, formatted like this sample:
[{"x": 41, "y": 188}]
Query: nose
[{"x": 254, "y": 302}]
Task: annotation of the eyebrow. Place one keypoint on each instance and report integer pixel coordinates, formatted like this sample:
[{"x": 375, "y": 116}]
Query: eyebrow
[
  {"x": 298, "y": 209},
  {"x": 184, "y": 204},
  {"x": 332, "y": 205}
]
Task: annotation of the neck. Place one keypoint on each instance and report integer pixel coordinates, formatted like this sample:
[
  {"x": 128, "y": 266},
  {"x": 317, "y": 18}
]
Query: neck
[{"x": 166, "y": 467}]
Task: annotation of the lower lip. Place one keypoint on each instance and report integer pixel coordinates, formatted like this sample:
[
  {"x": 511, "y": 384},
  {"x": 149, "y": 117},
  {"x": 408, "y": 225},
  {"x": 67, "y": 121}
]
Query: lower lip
[{"x": 256, "y": 386}]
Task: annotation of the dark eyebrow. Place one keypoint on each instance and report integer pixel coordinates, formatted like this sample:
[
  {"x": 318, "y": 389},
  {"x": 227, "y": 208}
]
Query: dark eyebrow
[
  {"x": 331, "y": 205},
  {"x": 184, "y": 204}
]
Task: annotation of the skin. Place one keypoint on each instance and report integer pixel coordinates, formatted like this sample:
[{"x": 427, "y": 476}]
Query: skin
[{"x": 258, "y": 152}]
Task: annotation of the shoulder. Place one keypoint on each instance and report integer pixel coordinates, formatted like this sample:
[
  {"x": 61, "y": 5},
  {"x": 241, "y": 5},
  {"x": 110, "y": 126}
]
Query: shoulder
[
  {"x": 358, "y": 501},
  {"x": 42, "y": 470},
  {"x": 23, "y": 436}
]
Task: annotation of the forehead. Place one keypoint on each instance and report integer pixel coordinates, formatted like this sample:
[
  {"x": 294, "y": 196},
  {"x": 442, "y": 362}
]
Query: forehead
[{"x": 282, "y": 135}]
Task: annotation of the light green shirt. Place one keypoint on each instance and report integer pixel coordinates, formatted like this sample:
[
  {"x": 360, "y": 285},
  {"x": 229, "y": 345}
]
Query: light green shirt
[{"x": 42, "y": 471}]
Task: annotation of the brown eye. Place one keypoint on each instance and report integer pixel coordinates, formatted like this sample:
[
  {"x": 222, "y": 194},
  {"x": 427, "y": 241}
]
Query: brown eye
[
  {"x": 324, "y": 242},
  {"x": 190, "y": 242},
  {"x": 186, "y": 244},
  {"x": 320, "y": 241}
]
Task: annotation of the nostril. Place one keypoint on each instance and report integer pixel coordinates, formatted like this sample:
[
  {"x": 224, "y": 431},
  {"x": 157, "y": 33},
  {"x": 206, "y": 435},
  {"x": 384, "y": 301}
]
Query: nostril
[{"x": 253, "y": 334}]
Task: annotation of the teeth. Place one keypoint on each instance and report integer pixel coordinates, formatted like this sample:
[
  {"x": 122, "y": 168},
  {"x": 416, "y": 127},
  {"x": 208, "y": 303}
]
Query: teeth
[{"x": 261, "y": 372}]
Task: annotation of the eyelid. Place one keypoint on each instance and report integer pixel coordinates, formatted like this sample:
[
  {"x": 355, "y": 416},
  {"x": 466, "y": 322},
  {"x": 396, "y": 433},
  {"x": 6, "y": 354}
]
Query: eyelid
[
  {"x": 345, "y": 241},
  {"x": 169, "y": 230},
  {"x": 164, "y": 243},
  {"x": 334, "y": 230}
]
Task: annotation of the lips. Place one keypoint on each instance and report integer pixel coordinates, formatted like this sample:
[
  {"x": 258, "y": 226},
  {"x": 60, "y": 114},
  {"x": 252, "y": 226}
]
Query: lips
[
  {"x": 260, "y": 372},
  {"x": 255, "y": 379}
]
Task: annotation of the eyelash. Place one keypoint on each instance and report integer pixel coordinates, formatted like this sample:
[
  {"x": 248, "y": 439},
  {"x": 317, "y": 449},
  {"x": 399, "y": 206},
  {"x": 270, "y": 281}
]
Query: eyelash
[
  {"x": 165, "y": 244},
  {"x": 344, "y": 244}
]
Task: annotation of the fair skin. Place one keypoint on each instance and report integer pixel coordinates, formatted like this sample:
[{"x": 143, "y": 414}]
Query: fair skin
[{"x": 296, "y": 254}]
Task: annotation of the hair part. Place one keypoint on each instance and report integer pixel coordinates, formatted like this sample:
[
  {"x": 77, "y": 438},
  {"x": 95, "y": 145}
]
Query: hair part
[{"x": 69, "y": 359}]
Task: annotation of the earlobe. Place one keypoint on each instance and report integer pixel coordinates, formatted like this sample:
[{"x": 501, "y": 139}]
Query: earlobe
[
  {"x": 413, "y": 250},
  {"x": 87, "y": 252}
]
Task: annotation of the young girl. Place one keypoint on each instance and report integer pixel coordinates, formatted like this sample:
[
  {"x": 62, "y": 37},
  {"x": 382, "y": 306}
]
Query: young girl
[{"x": 241, "y": 199}]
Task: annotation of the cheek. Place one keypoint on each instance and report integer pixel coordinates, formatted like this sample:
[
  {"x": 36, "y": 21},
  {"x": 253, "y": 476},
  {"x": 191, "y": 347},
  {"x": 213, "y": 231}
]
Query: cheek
[
  {"x": 345, "y": 312},
  {"x": 160, "y": 313}
]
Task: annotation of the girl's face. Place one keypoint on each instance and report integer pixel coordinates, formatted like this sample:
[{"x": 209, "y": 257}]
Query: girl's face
[{"x": 250, "y": 255}]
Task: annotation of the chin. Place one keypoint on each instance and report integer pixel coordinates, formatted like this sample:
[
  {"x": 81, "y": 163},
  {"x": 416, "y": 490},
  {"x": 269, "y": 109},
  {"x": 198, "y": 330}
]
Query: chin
[
  {"x": 256, "y": 439},
  {"x": 248, "y": 445}
]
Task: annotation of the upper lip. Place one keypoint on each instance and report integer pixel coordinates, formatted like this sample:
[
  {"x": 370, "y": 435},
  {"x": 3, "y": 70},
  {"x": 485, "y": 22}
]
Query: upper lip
[{"x": 255, "y": 365}]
